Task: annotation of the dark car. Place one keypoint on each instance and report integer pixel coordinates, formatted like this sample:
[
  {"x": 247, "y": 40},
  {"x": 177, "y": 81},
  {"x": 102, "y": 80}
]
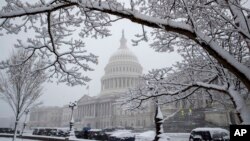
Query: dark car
[
  {"x": 79, "y": 134},
  {"x": 6, "y": 130},
  {"x": 41, "y": 131},
  {"x": 209, "y": 134},
  {"x": 97, "y": 134},
  {"x": 35, "y": 131},
  {"x": 51, "y": 132},
  {"x": 62, "y": 133}
]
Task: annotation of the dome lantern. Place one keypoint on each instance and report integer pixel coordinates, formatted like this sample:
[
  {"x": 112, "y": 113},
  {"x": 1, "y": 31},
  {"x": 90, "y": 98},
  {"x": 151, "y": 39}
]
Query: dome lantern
[{"x": 123, "y": 41}]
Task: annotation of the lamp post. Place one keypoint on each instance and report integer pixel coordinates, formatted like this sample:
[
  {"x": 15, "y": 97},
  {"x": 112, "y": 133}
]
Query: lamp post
[
  {"x": 72, "y": 105},
  {"x": 26, "y": 112}
]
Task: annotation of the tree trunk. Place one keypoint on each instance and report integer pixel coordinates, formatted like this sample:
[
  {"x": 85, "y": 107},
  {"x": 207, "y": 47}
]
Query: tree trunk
[
  {"x": 239, "y": 103},
  {"x": 15, "y": 129},
  {"x": 158, "y": 123}
]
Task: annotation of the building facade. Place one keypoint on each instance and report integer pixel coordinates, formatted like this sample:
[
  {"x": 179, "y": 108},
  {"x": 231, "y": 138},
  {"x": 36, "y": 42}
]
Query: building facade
[
  {"x": 46, "y": 117},
  {"x": 121, "y": 73}
]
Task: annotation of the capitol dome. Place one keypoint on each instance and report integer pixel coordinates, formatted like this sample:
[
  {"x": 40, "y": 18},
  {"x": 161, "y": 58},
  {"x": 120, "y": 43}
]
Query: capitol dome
[{"x": 122, "y": 71}]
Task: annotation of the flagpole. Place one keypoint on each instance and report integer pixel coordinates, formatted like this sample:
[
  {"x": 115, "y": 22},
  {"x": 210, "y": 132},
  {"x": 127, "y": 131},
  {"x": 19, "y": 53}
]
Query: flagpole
[{"x": 87, "y": 89}]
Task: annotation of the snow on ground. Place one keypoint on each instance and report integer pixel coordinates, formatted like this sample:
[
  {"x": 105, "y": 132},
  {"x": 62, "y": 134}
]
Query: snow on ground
[
  {"x": 178, "y": 136},
  {"x": 144, "y": 136},
  {"x": 10, "y": 139},
  {"x": 18, "y": 139},
  {"x": 149, "y": 135},
  {"x": 123, "y": 133}
]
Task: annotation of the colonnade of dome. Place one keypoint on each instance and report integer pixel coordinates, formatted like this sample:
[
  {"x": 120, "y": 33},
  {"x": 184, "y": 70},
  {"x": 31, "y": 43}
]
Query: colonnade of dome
[{"x": 122, "y": 71}]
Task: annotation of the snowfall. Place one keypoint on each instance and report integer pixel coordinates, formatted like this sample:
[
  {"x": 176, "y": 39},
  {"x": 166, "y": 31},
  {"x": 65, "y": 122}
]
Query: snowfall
[{"x": 145, "y": 136}]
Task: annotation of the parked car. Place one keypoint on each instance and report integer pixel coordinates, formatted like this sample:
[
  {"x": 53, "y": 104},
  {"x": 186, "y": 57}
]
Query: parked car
[
  {"x": 6, "y": 130},
  {"x": 79, "y": 134},
  {"x": 46, "y": 131},
  {"x": 209, "y": 134},
  {"x": 97, "y": 134},
  {"x": 35, "y": 131},
  {"x": 41, "y": 131}
]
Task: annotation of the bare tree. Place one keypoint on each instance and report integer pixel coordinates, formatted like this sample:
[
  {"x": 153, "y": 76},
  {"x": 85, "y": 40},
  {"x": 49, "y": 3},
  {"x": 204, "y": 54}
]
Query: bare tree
[
  {"x": 213, "y": 25},
  {"x": 22, "y": 84}
]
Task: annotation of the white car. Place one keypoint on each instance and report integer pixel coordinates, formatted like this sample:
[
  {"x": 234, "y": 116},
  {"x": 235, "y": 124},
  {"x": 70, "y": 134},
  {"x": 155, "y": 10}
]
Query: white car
[{"x": 209, "y": 134}]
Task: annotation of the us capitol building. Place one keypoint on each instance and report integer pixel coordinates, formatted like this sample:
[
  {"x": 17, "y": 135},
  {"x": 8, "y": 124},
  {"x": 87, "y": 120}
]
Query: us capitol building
[{"x": 121, "y": 73}]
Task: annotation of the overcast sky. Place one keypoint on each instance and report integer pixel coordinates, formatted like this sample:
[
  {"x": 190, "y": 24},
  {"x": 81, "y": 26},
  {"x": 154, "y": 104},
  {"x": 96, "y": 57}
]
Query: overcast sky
[{"x": 58, "y": 95}]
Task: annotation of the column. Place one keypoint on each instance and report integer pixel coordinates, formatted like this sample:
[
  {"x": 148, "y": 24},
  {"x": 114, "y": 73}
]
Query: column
[
  {"x": 82, "y": 111},
  {"x": 125, "y": 81},
  {"x": 131, "y": 82},
  {"x": 89, "y": 110},
  {"x": 112, "y": 83},
  {"x": 105, "y": 112},
  {"x": 117, "y": 83},
  {"x": 110, "y": 86},
  {"x": 85, "y": 109},
  {"x": 109, "y": 109},
  {"x": 94, "y": 110},
  {"x": 97, "y": 109},
  {"x": 122, "y": 83},
  {"x": 105, "y": 109},
  {"x": 101, "y": 85},
  {"x": 101, "y": 110}
]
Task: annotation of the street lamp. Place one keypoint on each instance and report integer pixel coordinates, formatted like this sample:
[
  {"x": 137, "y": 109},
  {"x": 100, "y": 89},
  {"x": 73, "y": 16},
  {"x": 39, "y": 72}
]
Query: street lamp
[
  {"x": 26, "y": 112},
  {"x": 71, "y": 123}
]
